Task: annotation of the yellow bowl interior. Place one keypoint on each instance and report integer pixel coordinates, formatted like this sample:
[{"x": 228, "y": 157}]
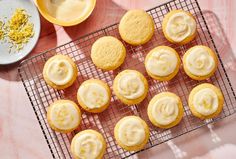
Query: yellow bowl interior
[{"x": 50, "y": 18}]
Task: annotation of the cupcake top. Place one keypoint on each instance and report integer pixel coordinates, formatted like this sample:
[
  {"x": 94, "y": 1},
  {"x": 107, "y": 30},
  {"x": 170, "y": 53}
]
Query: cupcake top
[
  {"x": 64, "y": 115},
  {"x": 136, "y": 27},
  {"x": 180, "y": 26},
  {"x": 108, "y": 53},
  {"x": 88, "y": 144},
  {"x": 206, "y": 100},
  {"x": 131, "y": 133},
  {"x": 162, "y": 61},
  {"x": 200, "y": 61},
  {"x": 59, "y": 70},
  {"x": 165, "y": 110},
  {"x": 130, "y": 85},
  {"x": 93, "y": 94}
]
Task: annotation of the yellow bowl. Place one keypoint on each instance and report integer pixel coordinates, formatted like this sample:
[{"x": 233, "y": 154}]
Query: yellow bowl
[{"x": 50, "y": 18}]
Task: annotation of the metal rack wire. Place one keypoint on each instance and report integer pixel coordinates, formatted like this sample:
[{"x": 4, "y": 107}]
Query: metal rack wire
[{"x": 40, "y": 95}]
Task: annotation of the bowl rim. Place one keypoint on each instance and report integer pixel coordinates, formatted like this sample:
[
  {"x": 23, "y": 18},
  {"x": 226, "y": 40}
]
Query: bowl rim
[{"x": 47, "y": 16}]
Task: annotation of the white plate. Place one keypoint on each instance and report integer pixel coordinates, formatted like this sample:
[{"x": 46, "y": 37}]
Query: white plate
[{"x": 7, "y": 7}]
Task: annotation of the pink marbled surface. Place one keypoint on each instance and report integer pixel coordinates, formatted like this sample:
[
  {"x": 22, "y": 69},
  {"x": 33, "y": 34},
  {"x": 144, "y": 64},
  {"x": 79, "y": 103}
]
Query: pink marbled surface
[{"x": 20, "y": 134}]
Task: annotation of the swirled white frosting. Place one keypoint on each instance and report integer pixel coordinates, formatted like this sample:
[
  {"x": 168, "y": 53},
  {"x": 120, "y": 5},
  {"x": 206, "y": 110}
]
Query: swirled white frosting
[
  {"x": 162, "y": 62},
  {"x": 93, "y": 95},
  {"x": 180, "y": 26},
  {"x": 205, "y": 101},
  {"x": 59, "y": 71},
  {"x": 199, "y": 62},
  {"x": 131, "y": 132},
  {"x": 88, "y": 146},
  {"x": 130, "y": 85},
  {"x": 64, "y": 116},
  {"x": 165, "y": 110}
]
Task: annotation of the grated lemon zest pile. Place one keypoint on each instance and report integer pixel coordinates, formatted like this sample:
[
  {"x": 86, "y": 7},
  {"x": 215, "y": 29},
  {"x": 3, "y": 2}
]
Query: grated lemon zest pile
[
  {"x": 18, "y": 30},
  {"x": 1, "y": 30}
]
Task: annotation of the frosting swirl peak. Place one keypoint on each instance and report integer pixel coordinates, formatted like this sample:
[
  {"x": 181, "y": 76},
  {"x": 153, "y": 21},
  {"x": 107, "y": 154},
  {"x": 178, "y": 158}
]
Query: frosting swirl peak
[{"x": 180, "y": 26}]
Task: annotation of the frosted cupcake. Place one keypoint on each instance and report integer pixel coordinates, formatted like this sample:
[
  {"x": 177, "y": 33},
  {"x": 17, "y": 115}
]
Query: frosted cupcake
[
  {"x": 200, "y": 62},
  {"x": 131, "y": 133},
  {"x": 88, "y": 144},
  {"x": 165, "y": 110},
  {"x": 162, "y": 63},
  {"x": 130, "y": 87},
  {"x": 60, "y": 72},
  {"x": 63, "y": 116},
  {"x": 179, "y": 27},
  {"x": 94, "y": 95},
  {"x": 206, "y": 101}
]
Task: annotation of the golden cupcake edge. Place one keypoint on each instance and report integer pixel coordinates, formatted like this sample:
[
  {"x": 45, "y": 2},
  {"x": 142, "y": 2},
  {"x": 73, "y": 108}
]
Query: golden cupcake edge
[
  {"x": 108, "y": 57},
  {"x": 89, "y": 131},
  {"x": 220, "y": 101},
  {"x": 164, "y": 26},
  {"x": 180, "y": 110},
  {"x": 195, "y": 77},
  {"x": 103, "y": 107},
  {"x": 125, "y": 100},
  {"x": 53, "y": 85},
  {"x": 135, "y": 147},
  {"x": 130, "y": 24},
  {"x": 170, "y": 76},
  {"x": 49, "y": 111}
]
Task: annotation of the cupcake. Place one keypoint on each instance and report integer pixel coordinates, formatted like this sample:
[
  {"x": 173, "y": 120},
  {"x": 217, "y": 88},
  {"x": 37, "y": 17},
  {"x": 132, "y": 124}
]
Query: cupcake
[
  {"x": 200, "y": 62},
  {"x": 165, "y": 110},
  {"x": 131, "y": 133},
  {"x": 108, "y": 53},
  {"x": 130, "y": 86},
  {"x": 206, "y": 101},
  {"x": 179, "y": 27},
  {"x": 63, "y": 116},
  {"x": 162, "y": 63},
  {"x": 88, "y": 144},
  {"x": 94, "y": 95},
  {"x": 136, "y": 27},
  {"x": 60, "y": 72}
]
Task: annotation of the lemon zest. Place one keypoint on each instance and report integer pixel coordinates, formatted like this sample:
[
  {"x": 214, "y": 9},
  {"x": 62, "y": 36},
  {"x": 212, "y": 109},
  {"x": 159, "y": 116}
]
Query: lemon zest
[
  {"x": 18, "y": 29},
  {"x": 1, "y": 30}
]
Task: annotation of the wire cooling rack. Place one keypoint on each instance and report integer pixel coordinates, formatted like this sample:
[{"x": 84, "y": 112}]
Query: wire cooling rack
[{"x": 41, "y": 95}]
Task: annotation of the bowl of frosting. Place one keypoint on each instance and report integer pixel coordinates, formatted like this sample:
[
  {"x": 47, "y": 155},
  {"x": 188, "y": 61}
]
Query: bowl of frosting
[{"x": 66, "y": 12}]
